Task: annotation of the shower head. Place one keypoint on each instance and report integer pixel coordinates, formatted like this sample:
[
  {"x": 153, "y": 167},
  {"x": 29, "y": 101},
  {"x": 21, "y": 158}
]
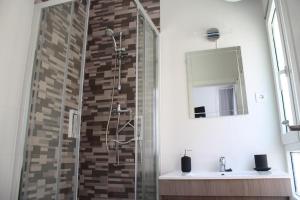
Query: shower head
[
  {"x": 109, "y": 32},
  {"x": 112, "y": 34}
]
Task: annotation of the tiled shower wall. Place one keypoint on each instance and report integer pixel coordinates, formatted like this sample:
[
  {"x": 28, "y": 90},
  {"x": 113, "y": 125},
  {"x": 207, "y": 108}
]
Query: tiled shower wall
[
  {"x": 69, "y": 150},
  {"x": 100, "y": 175}
]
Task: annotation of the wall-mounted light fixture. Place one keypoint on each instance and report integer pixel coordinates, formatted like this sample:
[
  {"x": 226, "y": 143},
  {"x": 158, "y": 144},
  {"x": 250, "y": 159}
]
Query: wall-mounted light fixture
[{"x": 213, "y": 34}]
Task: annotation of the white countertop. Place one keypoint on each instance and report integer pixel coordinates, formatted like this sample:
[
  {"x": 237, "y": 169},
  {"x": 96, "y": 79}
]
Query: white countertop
[{"x": 224, "y": 175}]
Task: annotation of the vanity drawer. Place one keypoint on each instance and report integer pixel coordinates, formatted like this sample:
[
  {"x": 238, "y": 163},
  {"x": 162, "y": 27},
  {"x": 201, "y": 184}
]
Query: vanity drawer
[
  {"x": 271, "y": 189},
  {"x": 222, "y": 198}
]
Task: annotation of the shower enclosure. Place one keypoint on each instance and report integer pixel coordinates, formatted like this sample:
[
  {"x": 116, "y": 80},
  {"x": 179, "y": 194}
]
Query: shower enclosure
[{"x": 51, "y": 167}]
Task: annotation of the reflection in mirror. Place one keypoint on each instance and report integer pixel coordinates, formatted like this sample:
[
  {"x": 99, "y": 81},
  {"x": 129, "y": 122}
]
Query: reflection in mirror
[{"x": 216, "y": 83}]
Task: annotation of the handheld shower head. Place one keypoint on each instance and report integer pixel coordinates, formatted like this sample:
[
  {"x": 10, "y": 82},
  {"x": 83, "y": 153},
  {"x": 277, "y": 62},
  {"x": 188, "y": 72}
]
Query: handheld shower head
[{"x": 111, "y": 33}]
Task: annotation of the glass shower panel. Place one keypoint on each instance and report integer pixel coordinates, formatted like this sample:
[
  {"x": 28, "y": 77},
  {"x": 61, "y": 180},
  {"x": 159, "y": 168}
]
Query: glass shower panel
[
  {"x": 146, "y": 148},
  {"x": 69, "y": 155},
  {"x": 41, "y": 155},
  {"x": 51, "y": 152}
]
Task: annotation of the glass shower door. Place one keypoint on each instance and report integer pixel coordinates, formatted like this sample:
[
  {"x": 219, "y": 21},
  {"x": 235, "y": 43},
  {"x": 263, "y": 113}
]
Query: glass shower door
[
  {"x": 51, "y": 148},
  {"x": 146, "y": 182}
]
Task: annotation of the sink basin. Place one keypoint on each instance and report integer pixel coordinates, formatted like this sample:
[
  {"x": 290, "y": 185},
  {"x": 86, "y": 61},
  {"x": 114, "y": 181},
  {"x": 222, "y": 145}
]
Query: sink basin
[{"x": 223, "y": 175}]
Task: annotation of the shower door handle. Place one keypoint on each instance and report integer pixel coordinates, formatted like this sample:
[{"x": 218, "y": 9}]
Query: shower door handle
[
  {"x": 73, "y": 124},
  {"x": 140, "y": 129}
]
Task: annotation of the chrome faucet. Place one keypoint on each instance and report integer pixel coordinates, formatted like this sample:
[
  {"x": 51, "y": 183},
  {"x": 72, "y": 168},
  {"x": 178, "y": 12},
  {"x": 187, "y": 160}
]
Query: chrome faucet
[{"x": 222, "y": 164}]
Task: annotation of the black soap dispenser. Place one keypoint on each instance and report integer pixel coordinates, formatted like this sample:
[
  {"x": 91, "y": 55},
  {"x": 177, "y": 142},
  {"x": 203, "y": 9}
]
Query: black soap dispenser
[{"x": 186, "y": 162}]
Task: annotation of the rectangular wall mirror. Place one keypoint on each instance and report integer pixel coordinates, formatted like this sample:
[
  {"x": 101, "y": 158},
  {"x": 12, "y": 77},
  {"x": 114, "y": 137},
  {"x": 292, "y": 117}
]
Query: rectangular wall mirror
[{"x": 216, "y": 85}]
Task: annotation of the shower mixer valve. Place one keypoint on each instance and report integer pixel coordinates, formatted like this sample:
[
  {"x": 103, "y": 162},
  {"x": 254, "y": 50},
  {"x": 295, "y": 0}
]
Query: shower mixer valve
[
  {"x": 121, "y": 50},
  {"x": 120, "y": 110}
]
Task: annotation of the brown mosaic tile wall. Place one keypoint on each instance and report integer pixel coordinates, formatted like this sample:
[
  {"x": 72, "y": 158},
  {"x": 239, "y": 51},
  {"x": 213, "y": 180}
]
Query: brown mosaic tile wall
[
  {"x": 69, "y": 155},
  {"x": 49, "y": 161},
  {"x": 100, "y": 177}
]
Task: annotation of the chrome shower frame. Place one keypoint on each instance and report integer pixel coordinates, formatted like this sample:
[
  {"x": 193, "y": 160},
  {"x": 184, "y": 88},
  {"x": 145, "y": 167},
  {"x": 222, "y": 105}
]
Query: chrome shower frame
[
  {"x": 27, "y": 87},
  {"x": 142, "y": 12}
]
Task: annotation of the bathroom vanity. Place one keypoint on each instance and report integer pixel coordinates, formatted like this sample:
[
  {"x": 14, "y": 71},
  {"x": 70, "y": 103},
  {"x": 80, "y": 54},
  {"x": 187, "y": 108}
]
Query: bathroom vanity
[{"x": 250, "y": 185}]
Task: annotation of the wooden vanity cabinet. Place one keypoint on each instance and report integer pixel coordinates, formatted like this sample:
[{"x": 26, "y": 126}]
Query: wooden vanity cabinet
[{"x": 228, "y": 189}]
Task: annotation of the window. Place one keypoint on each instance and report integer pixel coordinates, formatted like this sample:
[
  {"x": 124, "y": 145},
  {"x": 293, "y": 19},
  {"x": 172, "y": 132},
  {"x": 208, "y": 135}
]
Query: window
[
  {"x": 286, "y": 87},
  {"x": 295, "y": 159},
  {"x": 281, "y": 71}
]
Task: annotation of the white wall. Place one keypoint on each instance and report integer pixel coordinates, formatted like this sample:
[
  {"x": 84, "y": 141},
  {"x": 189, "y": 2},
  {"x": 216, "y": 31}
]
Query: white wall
[
  {"x": 183, "y": 24},
  {"x": 15, "y": 28},
  {"x": 265, "y": 4}
]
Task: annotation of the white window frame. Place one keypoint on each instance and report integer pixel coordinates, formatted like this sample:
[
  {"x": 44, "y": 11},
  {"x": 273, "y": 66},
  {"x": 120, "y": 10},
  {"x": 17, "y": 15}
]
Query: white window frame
[
  {"x": 288, "y": 137},
  {"x": 289, "y": 149},
  {"x": 291, "y": 140}
]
